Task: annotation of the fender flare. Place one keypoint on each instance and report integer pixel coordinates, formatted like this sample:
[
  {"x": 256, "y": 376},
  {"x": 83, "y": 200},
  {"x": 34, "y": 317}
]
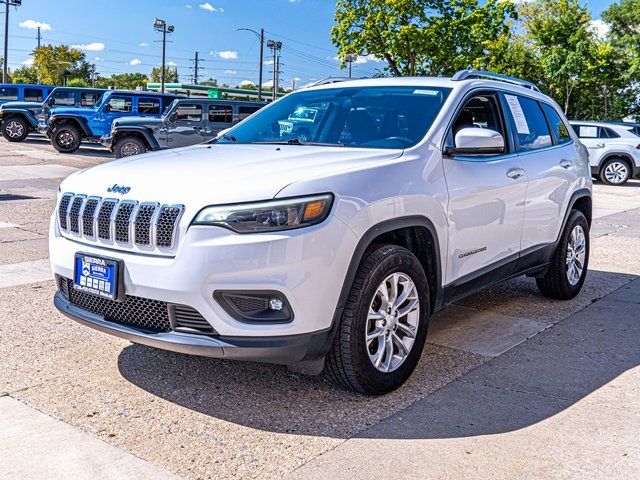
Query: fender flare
[
  {"x": 619, "y": 154},
  {"x": 27, "y": 114},
  {"x": 144, "y": 131},
  {"x": 578, "y": 194},
  {"x": 80, "y": 121}
]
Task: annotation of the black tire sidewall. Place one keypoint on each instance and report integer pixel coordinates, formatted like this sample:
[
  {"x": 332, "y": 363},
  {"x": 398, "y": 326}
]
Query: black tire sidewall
[
  {"x": 576, "y": 218},
  {"x": 77, "y": 139},
  {"x": 371, "y": 379},
  {"x": 24, "y": 126},
  {"x": 603, "y": 178},
  {"x": 117, "y": 151}
]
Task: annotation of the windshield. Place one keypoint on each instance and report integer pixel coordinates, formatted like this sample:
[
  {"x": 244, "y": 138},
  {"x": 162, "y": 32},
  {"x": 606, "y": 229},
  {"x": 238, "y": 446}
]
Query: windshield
[{"x": 369, "y": 117}]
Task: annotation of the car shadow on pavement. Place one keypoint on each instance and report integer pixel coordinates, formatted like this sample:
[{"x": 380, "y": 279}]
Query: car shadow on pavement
[
  {"x": 451, "y": 394},
  {"x": 85, "y": 150}
]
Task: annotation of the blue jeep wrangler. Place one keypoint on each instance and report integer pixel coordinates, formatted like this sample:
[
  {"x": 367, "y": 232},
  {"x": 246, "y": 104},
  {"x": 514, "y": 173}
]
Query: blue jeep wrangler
[
  {"x": 23, "y": 92},
  {"x": 68, "y": 126},
  {"x": 21, "y": 118}
]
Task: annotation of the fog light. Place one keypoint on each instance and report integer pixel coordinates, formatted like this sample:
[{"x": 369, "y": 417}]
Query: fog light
[{"x": 276, "y": 304}]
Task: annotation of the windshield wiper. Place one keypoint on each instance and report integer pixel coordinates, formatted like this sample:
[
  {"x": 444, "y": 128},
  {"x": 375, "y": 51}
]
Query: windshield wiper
[
  {"x": 230, "y": 138},
  {"x": 298, "y": 141}
]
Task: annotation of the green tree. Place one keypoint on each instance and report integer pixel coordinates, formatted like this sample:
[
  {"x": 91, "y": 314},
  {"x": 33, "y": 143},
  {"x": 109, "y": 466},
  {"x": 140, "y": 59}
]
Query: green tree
[
  {"x": 54, "y": 63},
  {"x": 170, "y": 74},
  {"x": 77, "y": 82},
  {"x": 127, "y": 81},
  {"x": 24, "y": 74},
  {"x": 421, "y": 37}
]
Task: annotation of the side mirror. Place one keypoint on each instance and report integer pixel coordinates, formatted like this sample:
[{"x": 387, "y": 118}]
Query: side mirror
[
  {"x": 51, "y": 102},
  {"x": 173, "y": 117},
  {"x": 107, "y": 107},
  {"x": 476, "y": 141}
]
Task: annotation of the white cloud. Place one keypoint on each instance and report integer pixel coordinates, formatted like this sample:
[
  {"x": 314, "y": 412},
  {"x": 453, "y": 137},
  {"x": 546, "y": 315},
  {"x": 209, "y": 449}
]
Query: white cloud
[
  {"x": 28, "y": 62},
  {"x": 33, "y": 25},
  {"x": 600, "y": 28},
  {"x": 189, "y": 6},
  {"x": 269, "y": 62},
  {"x": 90, "y": 47},
  {"x": 144, "y": 44},
  {"x": 98, "y": 59},
  {"x": 246, "y": 83},
  {"x": 135, "y": 61},
  {"x": 171, "y": 64},
  {"x": 231, "y": 72},
  {"x": 228, "y": 55},
  {"x": 361, "y": 58},
  {"x": 208, "y": 7},
  {"x": 519, "y": 2}
]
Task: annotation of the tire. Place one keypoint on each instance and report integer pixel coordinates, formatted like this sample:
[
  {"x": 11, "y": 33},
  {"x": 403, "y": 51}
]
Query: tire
[
  {"x": 15, "y": 129},
  {"x": 128, "y": 146},
  {"x": 66, "y": 138},
  {"x": 615, "y": 171},
  {"x": 350, "y": 363},
  {"x": 557, "y": 282}
]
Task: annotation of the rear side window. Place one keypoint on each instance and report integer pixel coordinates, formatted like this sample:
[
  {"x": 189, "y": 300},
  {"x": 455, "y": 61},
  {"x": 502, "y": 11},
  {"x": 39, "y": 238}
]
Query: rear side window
[
  {"x": 8, "y": 93},
  {"x": 120, "y": 104},
  {"x": 607, "y": 133},
  {"x": 245, "y": 111},
  {"x": 89, "y": 99},
  {"x": 149, "y": 106},
  {"x": 221, "y": 113},
  {"x": 531, "y": 125},
  {"x": 557, "y": 125},
  {"x": 33, "y": 95},
  {"x": 64, "y": 98},
  {"x": 189, "y": 112}
]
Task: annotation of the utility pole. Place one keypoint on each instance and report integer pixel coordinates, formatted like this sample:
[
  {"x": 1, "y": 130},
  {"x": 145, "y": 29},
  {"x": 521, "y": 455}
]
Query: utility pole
[
  {"x": 196, "y": 66},
  {"x": 161, "y": 26},
  {"x": 275, "y": 47},
  {"x": 5, "y": 63},
  {"x": 350, "y": 58},
  {"x": 39, "y": 37},
  {"x": 261, "y": 64}
]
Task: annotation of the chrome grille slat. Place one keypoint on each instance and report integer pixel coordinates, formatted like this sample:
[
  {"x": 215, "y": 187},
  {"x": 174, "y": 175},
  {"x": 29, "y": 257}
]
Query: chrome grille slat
[{"x": 127, "y": 223}]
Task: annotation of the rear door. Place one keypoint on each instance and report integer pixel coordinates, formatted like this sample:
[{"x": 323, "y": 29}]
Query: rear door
[
  {"x": 117, "y": 106},
  {"x": 185, "y": 125}
]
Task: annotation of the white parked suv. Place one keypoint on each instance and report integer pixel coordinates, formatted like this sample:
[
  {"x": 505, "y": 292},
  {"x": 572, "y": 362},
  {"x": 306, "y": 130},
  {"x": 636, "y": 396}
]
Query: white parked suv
[
  {"x": 614, "y": 150},
  {"x": 332, "y": 241}
]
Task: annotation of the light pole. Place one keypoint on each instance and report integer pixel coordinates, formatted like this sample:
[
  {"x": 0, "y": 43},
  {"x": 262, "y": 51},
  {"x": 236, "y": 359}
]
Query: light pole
[
  {"x": 350, "y": 57},
  {"x": 161, "y": 26},
  {"x": 275, "y": 47},
  {"x": 261, "y": 38},
  {"x": 5, "y": 64}
]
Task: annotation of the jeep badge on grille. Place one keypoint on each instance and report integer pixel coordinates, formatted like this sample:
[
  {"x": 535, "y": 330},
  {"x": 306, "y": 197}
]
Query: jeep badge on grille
[{"x": 119, "y": 189}]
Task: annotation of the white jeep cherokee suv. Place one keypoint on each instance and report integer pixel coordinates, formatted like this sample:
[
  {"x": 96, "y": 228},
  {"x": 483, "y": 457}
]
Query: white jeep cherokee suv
[
  {"x": 614, "y": 150},
  {"x": 332, "y": 239}
]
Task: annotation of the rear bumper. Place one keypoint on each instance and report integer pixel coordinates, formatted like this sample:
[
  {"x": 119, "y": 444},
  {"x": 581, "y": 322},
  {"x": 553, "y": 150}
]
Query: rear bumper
[{"x": 285, "y": 350}]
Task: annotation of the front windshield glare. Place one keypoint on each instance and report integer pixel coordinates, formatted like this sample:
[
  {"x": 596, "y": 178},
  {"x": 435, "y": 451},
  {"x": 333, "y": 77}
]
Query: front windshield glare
[{"x": 369, "y": 117}]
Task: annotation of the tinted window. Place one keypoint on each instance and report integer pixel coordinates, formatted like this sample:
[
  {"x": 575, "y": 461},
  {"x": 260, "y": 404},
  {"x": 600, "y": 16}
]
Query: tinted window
[
  {"x": 63, "y": 98},
  {"x": 8, "y": 93},
  {"x": 119, "y": 104},
  {"x": 33, "y": 95},
  {"x": 89, "y": 99},
  {"x": 531, "y": 125},
  {"x": 189, "y": 112},
  {"x": 557, "y": 125},
  {"x": 245, "y": 111},
  {"x": 607, "y": 133},
  {"x": 150, "y": 106},
  {"x": 221, "y": 113}
]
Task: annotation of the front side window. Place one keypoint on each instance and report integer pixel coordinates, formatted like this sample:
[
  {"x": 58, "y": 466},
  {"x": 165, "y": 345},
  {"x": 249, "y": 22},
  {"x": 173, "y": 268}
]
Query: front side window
[
  {"x": 557, "y": 125},
  {"x": 189, "y": 112},
  {"x": 33, "y": 95},
  {"x": 363, "y": 117},
  {"x": 531, "y": 126},
  {"x": 149, "y": 106},
  {"x": 8, "y": 93},
  {"x": 221, "y": 113},
  {"x": 119, "y": 104}
]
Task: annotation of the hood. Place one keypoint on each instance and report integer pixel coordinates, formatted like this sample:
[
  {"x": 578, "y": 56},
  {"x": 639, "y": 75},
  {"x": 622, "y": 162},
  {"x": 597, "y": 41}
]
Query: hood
[
  {"x": 217, "y": 174},
  {"x": 137, "y": 122},
  {"x": 71, "y": 110},
  {"x": 22, "y": 105}
]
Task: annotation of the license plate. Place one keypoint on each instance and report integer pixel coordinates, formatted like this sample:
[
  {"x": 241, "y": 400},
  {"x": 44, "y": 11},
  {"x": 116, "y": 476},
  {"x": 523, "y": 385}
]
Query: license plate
[{"x": 97, "y": 275}]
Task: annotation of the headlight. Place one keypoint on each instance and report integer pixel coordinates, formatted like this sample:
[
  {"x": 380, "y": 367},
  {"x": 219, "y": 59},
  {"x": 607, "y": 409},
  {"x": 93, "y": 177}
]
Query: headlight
[{"x": 269, "y": 216}]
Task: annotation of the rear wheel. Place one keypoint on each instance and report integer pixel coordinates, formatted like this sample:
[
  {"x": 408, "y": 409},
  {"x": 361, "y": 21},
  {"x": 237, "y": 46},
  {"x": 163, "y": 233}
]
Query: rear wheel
[
  {"x": 568, "y": 268},
  {"x": 15, "y": 129},
  {"x": 66, "y": 138},
  {"x": 615, "y": 171},
  {"x": 128, "y": 146},
  {"x": 384, "y": 325}
]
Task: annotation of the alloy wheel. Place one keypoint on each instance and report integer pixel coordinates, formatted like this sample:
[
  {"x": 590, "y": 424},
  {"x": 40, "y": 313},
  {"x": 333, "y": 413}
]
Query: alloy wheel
[
  {"x": 576, "y": 253},
  {"x": 14, "y": 129},
  {"x": 129, "y": 149},
  {"x": 392, "y": 322},
  {"x": 616, "y": 172},
  {"x": 65, "y": 138}
]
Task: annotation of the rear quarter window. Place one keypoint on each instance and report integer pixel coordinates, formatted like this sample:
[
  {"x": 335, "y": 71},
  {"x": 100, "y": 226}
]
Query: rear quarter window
[
  {"x": 531, "y": 125},
  {"x": 558, "y": 127}
]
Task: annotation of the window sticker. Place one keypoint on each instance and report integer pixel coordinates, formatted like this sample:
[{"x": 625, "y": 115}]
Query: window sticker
[
  {"x": 518, "y": 114},
  {"x": 425, "y": 92},
  {"x": 588, "y": 132}
]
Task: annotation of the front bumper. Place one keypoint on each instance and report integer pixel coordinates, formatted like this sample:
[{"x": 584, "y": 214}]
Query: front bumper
[{"x": 286, "y": 350}]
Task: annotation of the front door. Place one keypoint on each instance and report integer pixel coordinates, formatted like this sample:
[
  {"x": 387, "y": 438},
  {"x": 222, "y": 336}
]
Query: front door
[
  {"x": 486, "y": 199},
  {"x": 116, "y": 106},
  {"x": 185, "y": 125}
]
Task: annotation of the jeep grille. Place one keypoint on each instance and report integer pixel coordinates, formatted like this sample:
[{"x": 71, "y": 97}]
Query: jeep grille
[{"x": 124, "y": 223}]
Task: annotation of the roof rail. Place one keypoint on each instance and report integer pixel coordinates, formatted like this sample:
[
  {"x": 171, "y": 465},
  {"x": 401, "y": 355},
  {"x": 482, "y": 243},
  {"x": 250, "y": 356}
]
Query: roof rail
[
  {"x": 467, "y": 74},
  {"x": 328, "y": 80}
]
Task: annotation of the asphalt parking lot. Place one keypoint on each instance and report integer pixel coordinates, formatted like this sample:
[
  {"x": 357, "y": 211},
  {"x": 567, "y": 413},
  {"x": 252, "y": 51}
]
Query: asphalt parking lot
[{"x": 511, "y": 385}]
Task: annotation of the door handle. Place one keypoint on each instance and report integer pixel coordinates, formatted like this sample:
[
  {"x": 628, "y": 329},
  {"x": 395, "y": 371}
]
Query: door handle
[
  {"x": 599, "y": 145},
  {"x": 515, "y": 173},
  {"x": 564, "y": 163}
]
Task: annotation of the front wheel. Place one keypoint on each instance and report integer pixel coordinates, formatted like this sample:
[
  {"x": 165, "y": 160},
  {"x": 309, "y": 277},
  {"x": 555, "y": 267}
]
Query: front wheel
[
  {"x": 384, "y": 324},
  {"x": 568, "y": 268},
  {"x": 66, "y": 138},
  {"x": 128, "y": 146},
  {"x": 15, "y": 129},
  {"x": 615, "y": 171}
]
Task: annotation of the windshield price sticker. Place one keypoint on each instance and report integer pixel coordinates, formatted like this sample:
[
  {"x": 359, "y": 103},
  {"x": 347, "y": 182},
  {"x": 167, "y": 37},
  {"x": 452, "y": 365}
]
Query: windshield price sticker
[
  {"x": 426, "y": 92},
  {"x": 588, "y": 132},
  {"x": 518, "y": 114}
]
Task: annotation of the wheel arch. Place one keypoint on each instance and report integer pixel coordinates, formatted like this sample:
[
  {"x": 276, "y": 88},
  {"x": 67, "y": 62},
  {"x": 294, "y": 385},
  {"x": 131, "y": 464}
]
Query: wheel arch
[
  {"x": 580, "y": 200},
  {"x": 627, "y": 157},
  {"x": 142, "y": 134},
  {"x": 80, "y": 123}
]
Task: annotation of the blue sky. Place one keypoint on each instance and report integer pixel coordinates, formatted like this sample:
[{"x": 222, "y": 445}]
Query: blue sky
[{"x": 118, "y": 35}]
